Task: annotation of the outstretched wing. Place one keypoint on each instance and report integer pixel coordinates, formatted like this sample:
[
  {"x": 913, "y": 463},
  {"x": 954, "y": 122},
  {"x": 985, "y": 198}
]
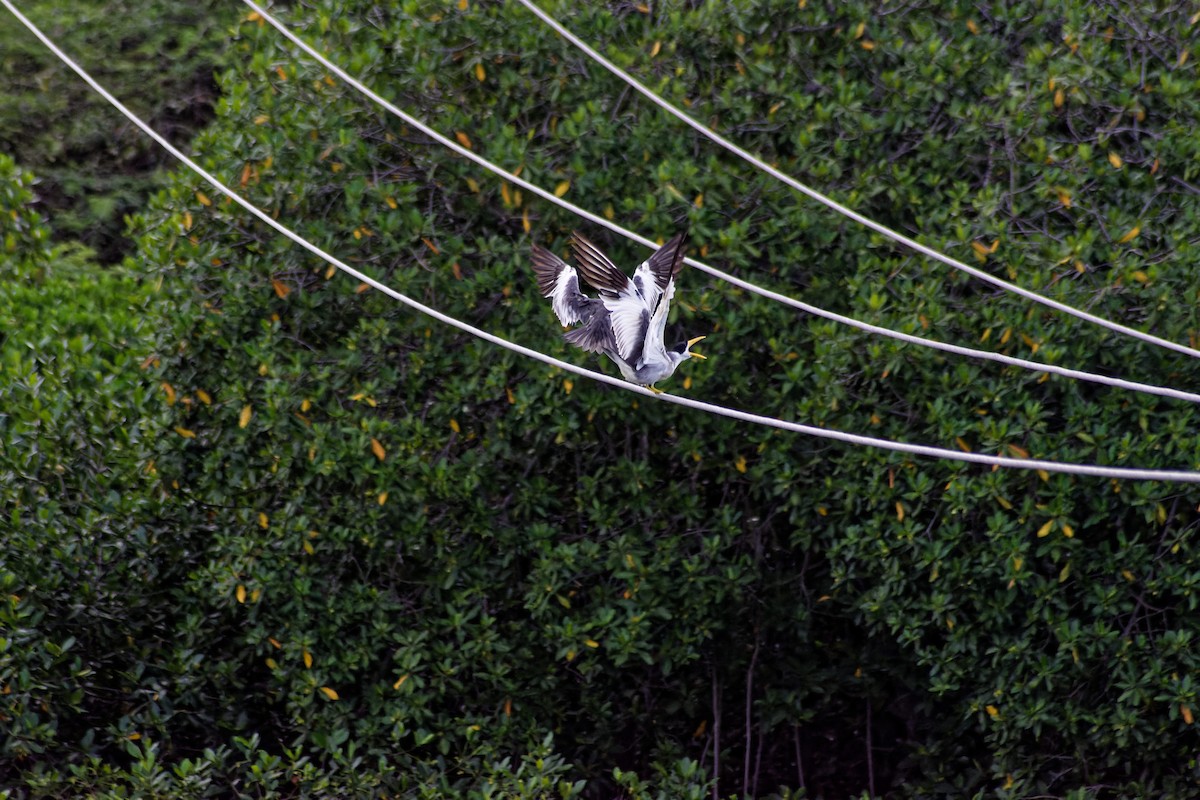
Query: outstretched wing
[
  {"x": 667, "y": 261},
  {"x": 597, "y": 269},
  {"x": 629, "y": 302},
  {"x": 558, "y": 281}
]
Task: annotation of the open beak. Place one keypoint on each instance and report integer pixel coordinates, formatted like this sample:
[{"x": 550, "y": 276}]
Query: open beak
[{"x": 692, "y": 342}]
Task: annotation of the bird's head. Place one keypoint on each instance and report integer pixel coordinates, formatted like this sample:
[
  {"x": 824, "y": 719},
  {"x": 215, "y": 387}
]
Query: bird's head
[{"x": 683, "y": 350}]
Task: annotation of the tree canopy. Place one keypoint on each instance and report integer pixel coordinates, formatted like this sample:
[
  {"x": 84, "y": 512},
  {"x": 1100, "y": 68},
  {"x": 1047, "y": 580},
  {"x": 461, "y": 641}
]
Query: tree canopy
[{"x": 302, "y": 541}]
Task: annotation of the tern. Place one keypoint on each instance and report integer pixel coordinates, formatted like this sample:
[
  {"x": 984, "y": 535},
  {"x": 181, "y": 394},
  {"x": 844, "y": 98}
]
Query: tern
[{"x": 628, "y": 320}]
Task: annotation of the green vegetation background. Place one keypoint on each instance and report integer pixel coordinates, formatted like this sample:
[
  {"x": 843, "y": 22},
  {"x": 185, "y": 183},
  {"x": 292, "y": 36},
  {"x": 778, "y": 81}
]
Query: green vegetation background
[{"x": 266, "y": 534}]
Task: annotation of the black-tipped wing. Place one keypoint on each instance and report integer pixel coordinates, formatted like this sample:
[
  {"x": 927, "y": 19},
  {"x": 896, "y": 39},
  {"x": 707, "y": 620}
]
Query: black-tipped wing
[
  {"x": 595, "y": 335},
  {"x": 546, "y": 267},
  {"x": 559, "y": 282},
  {"x": 667, "y": 261},
  {"x": 596, "y": 268}
]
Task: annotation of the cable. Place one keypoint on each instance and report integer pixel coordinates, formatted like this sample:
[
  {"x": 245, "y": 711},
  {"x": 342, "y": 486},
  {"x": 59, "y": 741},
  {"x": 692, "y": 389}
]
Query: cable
[
  {"x": 1115, "y": 473},
  {"x": 843, "y": 210},
  {"x": 750, "y": 287}
]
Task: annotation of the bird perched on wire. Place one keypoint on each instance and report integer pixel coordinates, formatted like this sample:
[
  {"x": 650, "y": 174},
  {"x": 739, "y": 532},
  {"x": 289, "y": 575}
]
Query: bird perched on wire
[{"x": 628, "y": 320}]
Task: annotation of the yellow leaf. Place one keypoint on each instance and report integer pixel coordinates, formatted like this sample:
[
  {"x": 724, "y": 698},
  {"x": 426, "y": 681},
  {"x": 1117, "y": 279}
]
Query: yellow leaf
[
  {"x": 1185, "y": 711},
  {"x": 240, "y": 593},
  {"x": 1041, "y": 473},
  {"x": 204, "y": 397},
  {"x": 962, "y": 444},
  {"x": 525, "y": 220},
  {"x": 972, "y": 27},
  {"x": 271, "y": 664},
  {"x": 383, "y": 497},
  {"x": 591, "y": 643},
  {"x": 512, "y": 399},
  {"x": 508, "y": 706},
  {"x": 1007, "y": 506},
  {"x": 454, "y": 426},
  {"x": 1140, "y": 276},
  {"x": 1059, "y": 98},
  {"x": 1044, "y": 531},
  {"x": 185, "y": 433},
  {"x": 170, "y": 392},
  {"x": 264, "y": 521},
  {"x": 274, "y": 643},
  {"x": 480, "y": 73},
  {"x": 993, "y": 712},
  {"x": 281, "y": 73},
  {"x": 473, "y": 185},
  {"x": 463, "y": 139},
  {"x": 1068, "y": 531},
  {"x": 378, "y": 450},
  {"x": 330, "y": 693},
  {"x": 568, "y": 385},
  {"x": 308, "y": 548},
  {"x": 305, "y": 405},
  {"x": 562, "y": 188},
  {"x": 463, "y": 5},
  {"x": 282, "y": 290},
  {"x": 1115, "y": 160},
  {"x": 133, "y": 737},
  {"x": 1131, "y": 235},
  {"x": 307, "y": 656},
  {"x": 899, "y": 511},
  {"x": 187, "y": 220},
  {"x": 400, "y": 681},
  {"x": 654, "y": 51},
  {"x": 244, "y": 417},
  {"x": 740, "y": 464},
  {"x": 1018, "y": 451},
  {"x": 202, "y": 199}
]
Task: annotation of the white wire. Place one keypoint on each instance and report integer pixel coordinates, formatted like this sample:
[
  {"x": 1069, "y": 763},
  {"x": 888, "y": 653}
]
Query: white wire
[
  {"x": 843, "y": 210},
  {"x": 1125, "y": 473},
  {"x": 969, "y": 352}
]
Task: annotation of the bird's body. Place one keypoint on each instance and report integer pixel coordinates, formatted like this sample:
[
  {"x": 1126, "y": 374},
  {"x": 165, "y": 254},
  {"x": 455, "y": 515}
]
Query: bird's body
[{"x": 628, "y": 320}]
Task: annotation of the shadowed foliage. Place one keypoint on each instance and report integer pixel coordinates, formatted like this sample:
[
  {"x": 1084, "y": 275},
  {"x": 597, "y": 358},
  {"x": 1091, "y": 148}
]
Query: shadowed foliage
[{"x": 382, "y": 557}]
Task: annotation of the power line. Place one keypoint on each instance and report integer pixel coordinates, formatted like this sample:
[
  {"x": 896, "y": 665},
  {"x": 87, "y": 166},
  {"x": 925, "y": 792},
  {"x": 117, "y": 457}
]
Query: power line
[
  {"x": 1120, "y": 473},
  {"x": 878, "y": 330},
  {"x": 841, "y": 209}
]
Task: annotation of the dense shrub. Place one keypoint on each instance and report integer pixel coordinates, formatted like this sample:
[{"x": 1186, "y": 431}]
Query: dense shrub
[
  {"x": 401, "y": 559},
  {"x": 94, "y": 166}
]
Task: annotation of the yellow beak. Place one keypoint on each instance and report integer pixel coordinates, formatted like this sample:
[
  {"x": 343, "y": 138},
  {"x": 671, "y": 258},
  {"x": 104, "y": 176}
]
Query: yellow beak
[{"x": 692, "y": 342}]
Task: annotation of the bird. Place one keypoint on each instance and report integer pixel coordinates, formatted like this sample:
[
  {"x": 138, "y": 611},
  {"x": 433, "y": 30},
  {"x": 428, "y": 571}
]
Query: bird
[{"x": 627, "y": 321}]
